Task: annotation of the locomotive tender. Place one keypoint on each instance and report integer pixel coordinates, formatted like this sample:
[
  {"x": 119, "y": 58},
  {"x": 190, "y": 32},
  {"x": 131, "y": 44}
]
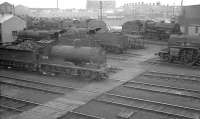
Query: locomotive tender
[
  {"x": 110, "y": 42},
  {"x": 183, "y": 49},
  {"x": 47, "y": 57}
]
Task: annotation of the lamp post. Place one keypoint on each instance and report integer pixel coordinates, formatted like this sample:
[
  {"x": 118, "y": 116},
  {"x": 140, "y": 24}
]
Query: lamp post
[
  {"x": 101, "y": 9},
  {"x": 57, "y": 4},
  {"x": 181, "y": 3}
]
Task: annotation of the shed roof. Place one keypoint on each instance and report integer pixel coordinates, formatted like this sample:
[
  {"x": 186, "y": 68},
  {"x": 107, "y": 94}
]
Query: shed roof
[
  {"x": 5, "y": 17},
  {"x": 6, "y": 4}
]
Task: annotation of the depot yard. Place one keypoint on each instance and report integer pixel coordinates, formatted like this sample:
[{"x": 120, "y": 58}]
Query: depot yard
[{"x": 119, "y": 96}]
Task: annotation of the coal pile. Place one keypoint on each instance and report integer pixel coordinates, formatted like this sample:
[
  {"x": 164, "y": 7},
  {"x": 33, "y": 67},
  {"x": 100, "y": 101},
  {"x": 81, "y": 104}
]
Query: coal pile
[{"x": 26, "y": 45}]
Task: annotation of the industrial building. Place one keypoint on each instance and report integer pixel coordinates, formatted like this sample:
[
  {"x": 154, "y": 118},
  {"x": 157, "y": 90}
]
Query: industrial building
[
  {"x": 106, "y": 4},
  {"x": 190, "y": 19},
  {"x": 6, "y": 8},
  {"x": 134, "y": 62},
  {"x": 9, "y": 25}
]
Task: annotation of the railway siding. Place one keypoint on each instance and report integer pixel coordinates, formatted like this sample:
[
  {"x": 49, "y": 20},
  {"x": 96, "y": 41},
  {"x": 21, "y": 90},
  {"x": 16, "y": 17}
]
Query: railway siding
[{"x": 151, "y": 94}]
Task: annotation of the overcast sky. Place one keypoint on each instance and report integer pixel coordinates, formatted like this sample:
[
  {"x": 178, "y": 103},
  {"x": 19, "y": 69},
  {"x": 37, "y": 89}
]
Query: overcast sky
[{"x": 82, "y": 3}]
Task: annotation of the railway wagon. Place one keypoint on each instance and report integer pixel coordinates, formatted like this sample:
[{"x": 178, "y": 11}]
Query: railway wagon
[
  {"x": 50, "y": 59},
  {"x": 135, "y": 41},
  {"x": 183, "y": 49},
  {"x": 132, "y": 27}
]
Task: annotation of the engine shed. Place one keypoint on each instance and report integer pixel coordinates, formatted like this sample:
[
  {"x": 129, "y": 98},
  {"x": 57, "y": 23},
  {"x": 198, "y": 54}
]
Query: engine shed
[{"x": 9, "y": 26}]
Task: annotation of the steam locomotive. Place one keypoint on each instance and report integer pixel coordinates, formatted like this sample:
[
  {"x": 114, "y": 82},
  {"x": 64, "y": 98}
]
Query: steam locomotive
[
  {"x": 38, "y": 34},
  {"x": 47, "y": 57},
  {"x": 110, "y": 42},
  {"x": 183, "y": 49},
  {"x": 151, "y": 29}
]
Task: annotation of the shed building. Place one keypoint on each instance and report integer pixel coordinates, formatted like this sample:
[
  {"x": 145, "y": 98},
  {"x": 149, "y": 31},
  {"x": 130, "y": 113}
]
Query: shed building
[
  {"x": 6, "y": 8},
  {"x": 9, "y": 26},
  {"x": 190, "y": 20}
]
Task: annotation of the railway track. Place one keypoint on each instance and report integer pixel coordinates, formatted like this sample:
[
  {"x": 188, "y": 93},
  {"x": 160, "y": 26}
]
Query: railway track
[
  {"x": 38, "y": 85},
  {"x": 78, "y": 115},
  {"x": 171, "y": 82},
  {"x": 160, "y": 96},
  {"x": 10, "y": 105},
  {"x": 31, "y": 87},
  {"x": 147, "y": 105},
  {"x": 163, "y": 89},
  {"x": 150, "y": 94},
  {"x": 180, "y": 76},
  {"x": 156, "y": 61},
  {"x": 41, "y": 88},
  {"x": 187, "y": 94}
]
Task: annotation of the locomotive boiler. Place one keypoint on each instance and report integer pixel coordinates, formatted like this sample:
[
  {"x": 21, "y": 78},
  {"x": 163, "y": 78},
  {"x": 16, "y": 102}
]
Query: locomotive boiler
[
  {"x": 51, "y": 59},
  {"x": 79, "y": 55},
  {"x": 37, "y": 34},
  {"x": 183, "y": 49}
]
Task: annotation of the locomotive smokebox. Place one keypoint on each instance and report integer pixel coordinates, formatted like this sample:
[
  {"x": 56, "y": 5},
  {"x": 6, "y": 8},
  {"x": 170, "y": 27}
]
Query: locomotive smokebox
[{"x": 79, "y": 55}]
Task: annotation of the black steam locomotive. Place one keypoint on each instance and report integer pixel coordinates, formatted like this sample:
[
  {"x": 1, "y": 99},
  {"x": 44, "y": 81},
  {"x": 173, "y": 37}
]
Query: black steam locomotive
[
  {"x": 183, "y": 49},
  {"x": 110, "y": 42},
  {"x": 47, "y": 57},
  {"x": 151, "y": 29}
]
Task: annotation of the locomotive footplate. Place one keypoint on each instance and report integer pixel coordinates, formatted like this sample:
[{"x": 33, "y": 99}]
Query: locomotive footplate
[{"x": 73, "y": 71}]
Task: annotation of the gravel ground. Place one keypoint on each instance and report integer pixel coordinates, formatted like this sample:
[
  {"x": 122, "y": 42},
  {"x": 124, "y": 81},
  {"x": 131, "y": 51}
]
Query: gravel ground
[
  {"x": 169, "y": 82},
  {"x": 155, "y": 96},
  {"x": 112, "y": 111},
  {"x": 27, "y": 94}
]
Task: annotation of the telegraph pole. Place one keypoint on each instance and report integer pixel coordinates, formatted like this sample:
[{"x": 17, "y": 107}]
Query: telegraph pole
[
  {"x": 181, "y": 3},
  {"x": 101, "y": 9},
  {"x": 57, "y": 4},
  {"x": 173, "y": 10}
]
